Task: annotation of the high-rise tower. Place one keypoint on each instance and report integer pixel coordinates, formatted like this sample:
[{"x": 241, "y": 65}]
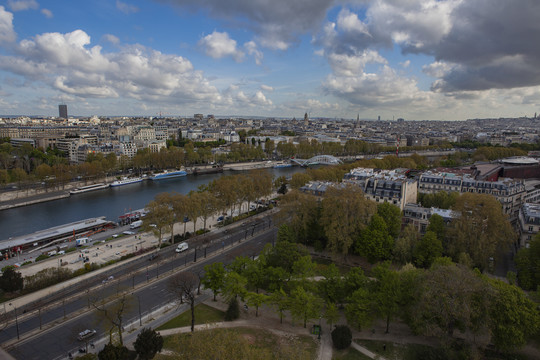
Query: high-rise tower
[{"x": 62, "y": 111}]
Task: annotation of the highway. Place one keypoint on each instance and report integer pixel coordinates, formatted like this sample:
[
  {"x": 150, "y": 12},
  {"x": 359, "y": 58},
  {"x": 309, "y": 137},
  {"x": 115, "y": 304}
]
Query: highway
[{"x": 63, "y": 316}]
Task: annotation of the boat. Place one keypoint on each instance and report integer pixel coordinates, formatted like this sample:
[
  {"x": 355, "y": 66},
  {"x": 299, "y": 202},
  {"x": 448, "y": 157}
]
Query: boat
[
  {"x": 88, "y": 188},
  {"x": 168, "y": 175},
  {"x": 126, "y": 181},
  {"x": 214, "y": 169},
  {"x": 282, "y": 165}
]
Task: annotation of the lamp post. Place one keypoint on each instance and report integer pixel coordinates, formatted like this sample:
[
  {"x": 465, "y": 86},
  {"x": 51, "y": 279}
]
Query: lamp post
[
  {"x": 140, "y": 317},
  {"x": 16, "y": 321}
]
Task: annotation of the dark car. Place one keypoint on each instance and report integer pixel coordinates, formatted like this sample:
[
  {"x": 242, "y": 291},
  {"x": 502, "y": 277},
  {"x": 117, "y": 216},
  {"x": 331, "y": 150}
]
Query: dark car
[{"x": 153, "y": 257}]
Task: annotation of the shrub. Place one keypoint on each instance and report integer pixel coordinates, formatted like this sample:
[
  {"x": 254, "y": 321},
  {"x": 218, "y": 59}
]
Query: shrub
[
  {"x": 341, "y": 337},
  {"x": 42, "y": 257},
  {"x": 233, "y": 311},
  {"x": 148, "y": 343}
]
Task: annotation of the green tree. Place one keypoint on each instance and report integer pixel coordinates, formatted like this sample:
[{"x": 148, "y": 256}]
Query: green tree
[
  {"x": 305, "y": 305},
  {"x": 341, "y": 337},
  {"x": 255, "y": 299},
  {"x": 480, "y": 230},
  {"x": 148, "y": 343},
  {"x": 375, "y": 243},
  {"x": 514, "y": 318},
  {"x": 331, "y": 314},
  {"x": 386, "y": 290},
  {"x": 528, "y": 265},
  {"x": 391, "y": 215},
  {"x": 359, "y": 308},
  {"x": 299, "y": 179},
  {"x": 405, "y": 243},
  {"x": 438, "y": 226},
  {"x": 427, "y": 249},
  {"x": 214, "y": 275},
  {"x": 114, "y": 352},
  {"x": 159, "y": 216},
  {"x": 345, "y": 212},
  {"x": 332, "y": 285},
  {"x": 280, "y": 300},
  {"x": 234, "y": 285},
  {"x": 11, "y": 280}
]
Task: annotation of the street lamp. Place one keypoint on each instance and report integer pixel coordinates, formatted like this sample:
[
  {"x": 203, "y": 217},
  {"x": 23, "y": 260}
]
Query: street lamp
[{"x": 16, "y": 321}]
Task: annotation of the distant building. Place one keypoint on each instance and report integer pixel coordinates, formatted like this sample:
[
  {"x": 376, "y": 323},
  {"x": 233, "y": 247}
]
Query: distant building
[
  {"x": 529, "y": 223},
  {"x": 62, "y": 111},
  {"x": 390, "y": 186},
  {"x": 419, "y": 216}
]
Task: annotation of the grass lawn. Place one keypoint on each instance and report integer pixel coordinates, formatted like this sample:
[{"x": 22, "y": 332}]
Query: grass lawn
[
  {"x": 349, "y": 354},
  {"x": 204, "y": 314},
  {"x": 238, "y": 343},
  {"x": 392, "y": 351}
]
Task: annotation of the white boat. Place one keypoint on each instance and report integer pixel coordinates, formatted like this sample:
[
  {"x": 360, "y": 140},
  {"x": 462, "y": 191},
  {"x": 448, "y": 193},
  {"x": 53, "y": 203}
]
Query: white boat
[
  {"x": 126, "y": 181},
  {"x": 282, "y": 165},
  {"x": 168, "y": 174},
  {"x": 88, "y": 188}
]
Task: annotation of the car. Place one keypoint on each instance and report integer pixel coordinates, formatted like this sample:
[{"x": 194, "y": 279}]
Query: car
[
  {"x": 220, "y": 218},
  {"x": 129, "y": 232},
  {"x": 61, "y": 252},
  {"x": 86, "y": 334},
  {"x": 115, "y": 235},
  {"x": 153, "y": 257},
  {"x": 183, "y": 246}
]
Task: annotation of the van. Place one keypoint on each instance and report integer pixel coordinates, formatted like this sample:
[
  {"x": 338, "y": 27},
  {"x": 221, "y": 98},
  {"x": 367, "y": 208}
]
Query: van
[
  {"x": 51, "y": 253},
  {"x": 183, "y": 246},
  {"x": 136, "y": 224},
  {"x": 81, "y": 241}
]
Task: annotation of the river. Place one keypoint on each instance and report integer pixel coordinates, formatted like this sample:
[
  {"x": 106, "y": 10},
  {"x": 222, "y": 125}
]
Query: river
[{"x": 111, "y": 203}]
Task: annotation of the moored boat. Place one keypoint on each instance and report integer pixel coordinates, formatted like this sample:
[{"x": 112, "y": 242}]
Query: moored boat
[
  {"x": 282, "y": 165},
  {"x": 126, "y": 181},
  {"x": 168, "y": 175},
  {"x": 88, "y": 188}
]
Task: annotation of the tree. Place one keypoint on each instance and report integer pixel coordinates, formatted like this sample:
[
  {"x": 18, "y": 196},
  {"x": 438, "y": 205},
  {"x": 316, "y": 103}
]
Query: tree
[
  {"x": 438, "y": 226},
  {"x": 194, "y": 208},
  {"x": 514, "y": 318},
  {"x": 209, "y": 206},
  {"x": 214, "y": 275},
  {"x": 332, "y": 285},
  {"x": 159, "y": 216},
  {"x": 375, "y": 243},
  {"x": 184, "y": 286},
  {"x": 233, "y": 310},
  {"x": 341, "y": 337},
  {"x": 305, "y": 305},
  {"x": 345, "y": 212},
  {"x": 113, "y": 352},
  {"x": 114, "y": 315},
  {"x": 234, "y": 285},
  {"x": 405, "y": 243},
  {"x": 280, "y": 300},
  {"x": 427, "y": 249},
  {"x": 528, "y": 265},
  {"x": 386, "y": 292},
  {"x": 299, "y": 179},
  {"x": 11, "y": 280},
  {"x": 331, "y": 314},
  {"x": 148, "y": 343},
  {"x": 450, "y": 297},
  {"x": 480, "y": 230},
  {"x": 391, "y": 214},
  {"x": 255, "y": 299}
]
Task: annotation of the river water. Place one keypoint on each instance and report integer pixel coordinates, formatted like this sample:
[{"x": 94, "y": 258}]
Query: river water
[{"x": 111, "y": 203}]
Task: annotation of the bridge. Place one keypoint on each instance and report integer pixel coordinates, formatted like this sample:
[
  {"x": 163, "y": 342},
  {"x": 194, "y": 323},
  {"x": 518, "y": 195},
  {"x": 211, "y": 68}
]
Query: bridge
[{"x": 318, "y": 160}]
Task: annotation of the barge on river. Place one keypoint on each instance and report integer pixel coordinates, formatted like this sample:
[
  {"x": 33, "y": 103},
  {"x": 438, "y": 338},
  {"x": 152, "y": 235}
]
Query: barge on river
[{"x": 88, "y": 188}]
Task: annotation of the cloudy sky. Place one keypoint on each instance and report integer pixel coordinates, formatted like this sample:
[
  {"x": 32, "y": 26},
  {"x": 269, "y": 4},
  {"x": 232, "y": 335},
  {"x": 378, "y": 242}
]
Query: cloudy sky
[{"x": 417, "y": 59}]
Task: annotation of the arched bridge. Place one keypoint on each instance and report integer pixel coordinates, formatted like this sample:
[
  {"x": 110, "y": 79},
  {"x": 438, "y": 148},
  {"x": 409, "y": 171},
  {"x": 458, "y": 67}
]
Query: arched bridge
[{"x": 318, "y": 160}]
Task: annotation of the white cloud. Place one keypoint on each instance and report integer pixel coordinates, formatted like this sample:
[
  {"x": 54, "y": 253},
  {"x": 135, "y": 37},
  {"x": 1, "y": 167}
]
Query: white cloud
[
  {"x": 7, "y": 34},
  {"x": 251, "y": 48},
  {"x": 48, "y": 13},
  {"x": 111, "y": 38},
  {"x": 267, "y": 88},
  {"x": 20, "y": 5},
  {"x": 218, "y": 45},
  {"x": 354, "y": 64},
  {"x": 126, "y": 8}
]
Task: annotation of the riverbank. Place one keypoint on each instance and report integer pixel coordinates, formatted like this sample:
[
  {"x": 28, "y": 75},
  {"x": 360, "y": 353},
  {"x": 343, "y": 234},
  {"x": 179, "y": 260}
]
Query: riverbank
[{"x": 19, "y": 198}]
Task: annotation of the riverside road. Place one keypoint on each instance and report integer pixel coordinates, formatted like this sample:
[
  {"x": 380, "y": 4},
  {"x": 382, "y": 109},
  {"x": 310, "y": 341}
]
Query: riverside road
[{"x": 62, "y": 316}]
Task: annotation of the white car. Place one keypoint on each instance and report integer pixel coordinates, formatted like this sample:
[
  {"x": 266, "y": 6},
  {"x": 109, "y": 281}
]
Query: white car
[{"x": 86, "y": 334}]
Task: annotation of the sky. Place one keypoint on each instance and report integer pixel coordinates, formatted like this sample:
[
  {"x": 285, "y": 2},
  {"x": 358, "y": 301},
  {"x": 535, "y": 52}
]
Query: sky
[{"x": 415, "y": 59}]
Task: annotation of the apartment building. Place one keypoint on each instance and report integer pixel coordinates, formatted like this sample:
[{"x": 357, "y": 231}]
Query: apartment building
[{"x": 529, "y": 223}]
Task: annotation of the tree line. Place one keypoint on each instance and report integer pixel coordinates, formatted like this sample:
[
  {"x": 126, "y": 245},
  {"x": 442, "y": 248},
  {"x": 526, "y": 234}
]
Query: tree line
[
  {"x": 225, "y": 194},
  {"x": 345, "y": 222},
  {"x": 442, "y": 300}
]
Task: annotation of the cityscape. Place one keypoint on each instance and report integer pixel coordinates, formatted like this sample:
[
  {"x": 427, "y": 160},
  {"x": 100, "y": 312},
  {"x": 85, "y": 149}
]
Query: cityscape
[{"x": 269, "y": 179}]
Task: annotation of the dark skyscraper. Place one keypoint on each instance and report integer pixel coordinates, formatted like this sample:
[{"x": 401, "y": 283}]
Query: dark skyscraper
[{"x": 62, "y": 110}]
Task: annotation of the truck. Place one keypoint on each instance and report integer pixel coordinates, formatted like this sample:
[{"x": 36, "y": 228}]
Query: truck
[
  {"x": 136, "y": 224},
  {"x": 183, "y": 246},
  {"x": 82, "y": 241}
]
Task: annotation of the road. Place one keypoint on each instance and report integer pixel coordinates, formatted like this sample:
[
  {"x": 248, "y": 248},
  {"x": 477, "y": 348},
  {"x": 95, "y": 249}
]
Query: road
[{"x": 70, "y": 312}]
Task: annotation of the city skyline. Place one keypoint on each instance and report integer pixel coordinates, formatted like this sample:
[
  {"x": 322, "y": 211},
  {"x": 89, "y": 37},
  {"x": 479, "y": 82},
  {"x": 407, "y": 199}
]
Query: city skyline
[{"x": 416, "y": 59}]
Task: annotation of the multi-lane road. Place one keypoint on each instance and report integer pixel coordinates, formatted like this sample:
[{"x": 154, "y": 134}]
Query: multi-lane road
[{"x": 62, "y": 316}]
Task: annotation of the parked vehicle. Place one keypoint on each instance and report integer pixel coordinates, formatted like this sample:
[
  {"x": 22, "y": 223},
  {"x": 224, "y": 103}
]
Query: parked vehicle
[
  {"x": 86, "y": 334},
  {"x": 183, "y": 246},
  {"x": 136, "y": 224},
  {"x": 82, "y": 241}
]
